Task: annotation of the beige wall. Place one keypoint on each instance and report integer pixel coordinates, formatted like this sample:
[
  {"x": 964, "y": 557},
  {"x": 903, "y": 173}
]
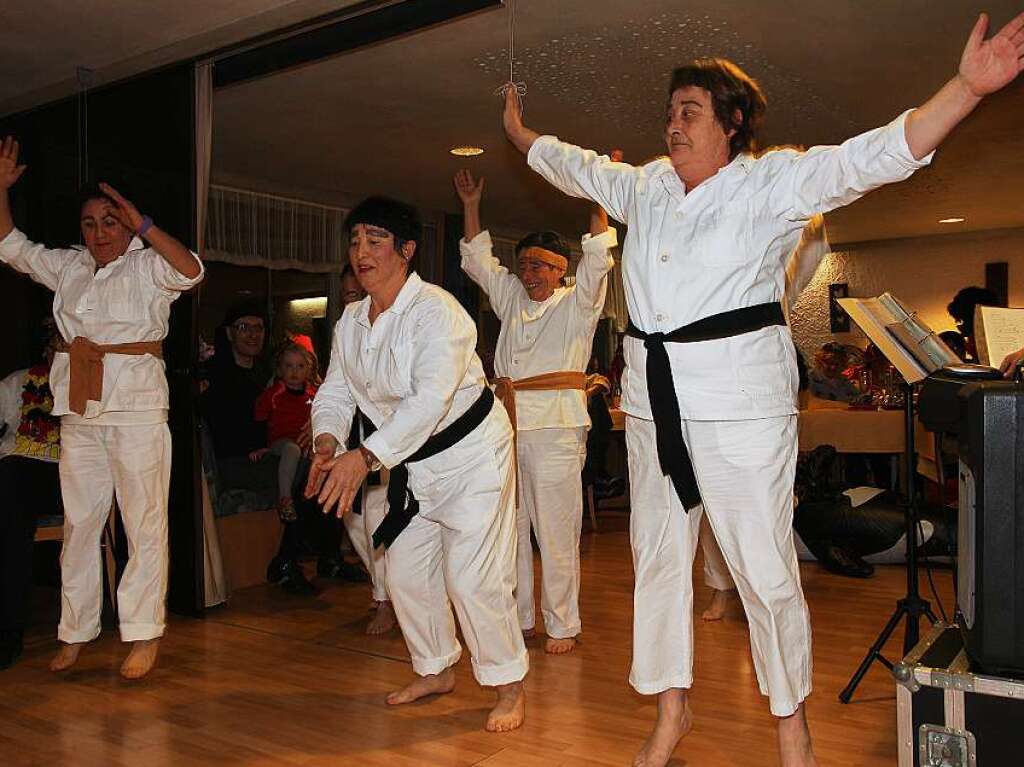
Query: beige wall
[{"x": 924, "y": 273}]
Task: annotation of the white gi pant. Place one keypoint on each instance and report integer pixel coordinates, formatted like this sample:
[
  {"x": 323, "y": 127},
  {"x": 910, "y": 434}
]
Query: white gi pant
[
  {"x": 462, "y": 547},
  {"x": 551, "y": 501},
  {"x": 360, "y": 529},
  {"x": 716, "y": 571},
  {"x": 745, "y": 470},
  {"x": 96, "y": 462}
]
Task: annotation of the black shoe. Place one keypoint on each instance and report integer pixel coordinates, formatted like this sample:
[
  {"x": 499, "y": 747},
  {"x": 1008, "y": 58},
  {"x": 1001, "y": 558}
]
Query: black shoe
[
  {"x": 294, "y": 580},
  {"x": 10, "y": 648},
  {"x": 841, "y": 562},
  {"x": 275, "y": 570},
  {"x": 337, "y": 567}
]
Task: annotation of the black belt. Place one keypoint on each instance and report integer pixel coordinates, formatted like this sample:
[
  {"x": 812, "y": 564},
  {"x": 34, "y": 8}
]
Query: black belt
[
  {"x": 402, "y": 504},
  {"x": 672, "y": 453}
]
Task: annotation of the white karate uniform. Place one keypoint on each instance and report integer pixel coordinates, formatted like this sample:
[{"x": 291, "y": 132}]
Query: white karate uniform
[
  {"x": 800, "y": 269},
  {"x": 360, "y": 529},
  {"x": 121, "y": 445},
  {"x": 687, "y": 256},
  {"x": 413, "y": 372},
  {"x": 540, "y": 337}
]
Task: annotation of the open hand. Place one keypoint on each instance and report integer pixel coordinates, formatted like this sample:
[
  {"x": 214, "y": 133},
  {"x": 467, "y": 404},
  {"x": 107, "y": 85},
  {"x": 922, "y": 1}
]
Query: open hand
[
  {"x": 256, "y": 455},
  {"x": 125, "y": 212},
  {"x": 343, "y": 478},
  {"x": 988, "y": 65},
  {"x": 1010, "y": 363},
  {"x": 469, "y": 191},
  {"x": 10, "y": 171}
]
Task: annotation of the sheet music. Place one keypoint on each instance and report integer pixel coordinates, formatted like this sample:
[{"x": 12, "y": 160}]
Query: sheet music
[
  {"x": 998, "y": 332},
  {"x": 907, "y": 342}
]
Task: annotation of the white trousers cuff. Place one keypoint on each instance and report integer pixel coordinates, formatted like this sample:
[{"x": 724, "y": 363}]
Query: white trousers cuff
[
  {"x": 140, "y": 632},
  {"x": 676, "y": 681},
  {"x": 434, "y": 666},
  {"x": 506, "y": 673},
  {"x": 68, "y": 636}
]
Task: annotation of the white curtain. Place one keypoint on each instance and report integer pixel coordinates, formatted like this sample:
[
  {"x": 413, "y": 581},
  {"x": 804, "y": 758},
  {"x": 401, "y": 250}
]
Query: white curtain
[
  {"x": 214, "y": 581},
  {"x": 255, "y": 229}
]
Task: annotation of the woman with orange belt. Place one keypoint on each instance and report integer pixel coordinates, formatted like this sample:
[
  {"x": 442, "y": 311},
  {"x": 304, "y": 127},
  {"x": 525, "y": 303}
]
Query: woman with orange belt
[{"x": 112, "y": 300}]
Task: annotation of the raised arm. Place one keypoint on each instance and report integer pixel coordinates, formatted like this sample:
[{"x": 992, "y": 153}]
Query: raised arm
[
  {"x": 183, "y": 261},
  {"x": 592, "y": 270},
  {"x": 478, "y": 259},
  {"x": 10, "y": 172},
  {"x": 522, "y": 138},
  {"x": 986, "y": 66}
]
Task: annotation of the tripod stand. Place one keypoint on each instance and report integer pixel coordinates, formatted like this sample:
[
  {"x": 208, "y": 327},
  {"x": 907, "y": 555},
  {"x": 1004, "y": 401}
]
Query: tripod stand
[{"x": 911, "y": 606}]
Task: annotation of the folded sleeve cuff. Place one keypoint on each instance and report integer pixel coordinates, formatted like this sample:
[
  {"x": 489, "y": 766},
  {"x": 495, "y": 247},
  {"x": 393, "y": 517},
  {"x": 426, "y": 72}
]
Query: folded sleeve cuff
[
  {"x": 896, "y": 145},
  {"x": 607, "y": 240},
  {"x": 480, "y": 245},
  {"x": 538, "y": 148}
]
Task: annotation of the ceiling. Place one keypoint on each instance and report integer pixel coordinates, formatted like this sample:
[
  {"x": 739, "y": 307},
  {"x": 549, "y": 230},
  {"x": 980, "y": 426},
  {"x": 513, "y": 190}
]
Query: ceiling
[
  {"x": 381, "y": 119},
  {"x": 117, "y": 39}
]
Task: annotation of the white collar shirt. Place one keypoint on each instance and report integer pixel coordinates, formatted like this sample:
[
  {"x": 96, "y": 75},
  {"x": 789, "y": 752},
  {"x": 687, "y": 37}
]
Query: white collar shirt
[
  {"x": 412, "y": 373},
  {"x": 721, "y": 246},
  {"x": 547, "y": 336},
  {"x": 127, "y": 300}
]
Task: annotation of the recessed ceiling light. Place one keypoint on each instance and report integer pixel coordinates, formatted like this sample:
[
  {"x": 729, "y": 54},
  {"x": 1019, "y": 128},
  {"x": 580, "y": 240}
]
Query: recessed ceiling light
[
  {"x": 953, "y": 220},
  {"x": 465, "y": 151}
]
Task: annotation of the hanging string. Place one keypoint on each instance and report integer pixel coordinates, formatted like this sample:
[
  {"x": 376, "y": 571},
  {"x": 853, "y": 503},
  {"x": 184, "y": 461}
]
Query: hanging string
[{"x": 520, "y": 87}]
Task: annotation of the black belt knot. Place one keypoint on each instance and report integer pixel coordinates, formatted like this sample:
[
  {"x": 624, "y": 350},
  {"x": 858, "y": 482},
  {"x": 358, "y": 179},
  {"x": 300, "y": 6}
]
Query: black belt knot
[{"x": 673, "y": 456}]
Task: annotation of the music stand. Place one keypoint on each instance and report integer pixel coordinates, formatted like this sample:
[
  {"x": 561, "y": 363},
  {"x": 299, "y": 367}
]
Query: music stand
[{"x": 915, "y": 351}]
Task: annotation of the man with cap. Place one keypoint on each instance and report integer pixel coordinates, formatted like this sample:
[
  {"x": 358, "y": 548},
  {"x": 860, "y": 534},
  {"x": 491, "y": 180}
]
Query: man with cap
[
  {"x": 547, "y": 331},
  {"x": 405, "y": 357}
]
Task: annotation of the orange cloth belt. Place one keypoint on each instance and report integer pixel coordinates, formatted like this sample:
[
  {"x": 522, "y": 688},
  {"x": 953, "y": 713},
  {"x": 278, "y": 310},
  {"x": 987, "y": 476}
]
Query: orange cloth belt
[
  {"x": 87, "y": 367},
  {"x": 505, "y": 388}
]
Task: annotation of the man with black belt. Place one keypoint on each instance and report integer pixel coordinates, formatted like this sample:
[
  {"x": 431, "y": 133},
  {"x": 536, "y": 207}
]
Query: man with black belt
[
  {"x": 404, "y": 356},
  {"x": 710, "y": 391}
]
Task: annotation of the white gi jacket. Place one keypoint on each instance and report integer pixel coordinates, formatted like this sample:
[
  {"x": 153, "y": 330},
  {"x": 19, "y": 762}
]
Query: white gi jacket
[
  {"x": 721, "y": 246},
  {"x": 127, "y": 300},
  {"x": 544, "y": 336},
  {"x": 413, "y": 372}
]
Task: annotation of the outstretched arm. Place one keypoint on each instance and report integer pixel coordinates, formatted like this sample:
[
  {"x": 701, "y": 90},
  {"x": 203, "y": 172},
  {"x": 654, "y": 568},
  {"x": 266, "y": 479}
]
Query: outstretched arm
[
  {"x": 985, "y": 67},
  {"x": 522, "y": 138},
  {"x": 470, "y": 193}
]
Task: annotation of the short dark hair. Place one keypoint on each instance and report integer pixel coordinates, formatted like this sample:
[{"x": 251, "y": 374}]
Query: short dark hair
[
  {"x": 92, "y": 191},
  {"x": 961, "y": 308},
  {"x": 399, "y": 218},
  {"x": 548, "y": 240},
  {"x": 247, "y": 307},
  {"x": 731, "y": 89}
]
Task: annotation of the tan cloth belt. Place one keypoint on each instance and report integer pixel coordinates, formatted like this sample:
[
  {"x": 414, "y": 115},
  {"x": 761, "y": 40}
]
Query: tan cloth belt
[
  {"x": 505, "y": 388},
  {"x": 87, "y": 367}
]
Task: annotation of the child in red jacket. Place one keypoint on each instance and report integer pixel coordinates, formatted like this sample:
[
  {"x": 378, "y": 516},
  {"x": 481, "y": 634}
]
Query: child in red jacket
[{"x": 285, "y": 406}]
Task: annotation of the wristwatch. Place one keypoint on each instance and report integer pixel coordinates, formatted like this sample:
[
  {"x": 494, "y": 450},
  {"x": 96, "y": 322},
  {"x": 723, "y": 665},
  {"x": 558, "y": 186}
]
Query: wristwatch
[{"x": 372, "y": 463}]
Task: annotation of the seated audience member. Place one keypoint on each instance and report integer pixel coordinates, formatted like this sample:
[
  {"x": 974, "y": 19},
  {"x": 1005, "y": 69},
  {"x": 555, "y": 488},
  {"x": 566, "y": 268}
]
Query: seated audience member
[
  {"x": 826, "y": 379},
  {"x": 29, "y": 451},
  {"x": 961, "y": 309},
  {"x": 284, "y": 409}
]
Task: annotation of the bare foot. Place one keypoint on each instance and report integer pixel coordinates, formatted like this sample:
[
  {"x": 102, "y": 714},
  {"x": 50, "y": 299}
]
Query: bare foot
[
  {"x": 719, "y": 602},
  {"x": 795, "y": 741},
  {"x": 141, "y": 658},
  {"x": 559, "y": 646},
  {"x": 675, "y": 720},
  {"x": 529, "y": 633},
  {"x": 383, "y": 620},
  {"x": 510, "y": 710},
  {"x": 66, "y": 656},
  {"x": 421, "y": 686}
]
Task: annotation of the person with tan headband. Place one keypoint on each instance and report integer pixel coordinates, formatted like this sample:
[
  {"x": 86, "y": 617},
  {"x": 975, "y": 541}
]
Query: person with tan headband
[
  {"x": 112, "y": 303},
  {"x": 547, "y": 331}
]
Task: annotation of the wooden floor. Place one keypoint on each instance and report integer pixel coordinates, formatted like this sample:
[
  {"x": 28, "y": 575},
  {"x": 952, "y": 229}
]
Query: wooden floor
[{"x": 279, "y": 680}]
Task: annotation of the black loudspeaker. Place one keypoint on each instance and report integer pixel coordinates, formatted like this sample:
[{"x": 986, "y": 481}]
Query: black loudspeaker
[{"x": 990, "y": 578}]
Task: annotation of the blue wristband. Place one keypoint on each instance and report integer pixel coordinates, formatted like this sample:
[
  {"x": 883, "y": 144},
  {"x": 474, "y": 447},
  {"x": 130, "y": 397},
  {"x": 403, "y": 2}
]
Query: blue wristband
[{"x": 145, "y": 226}]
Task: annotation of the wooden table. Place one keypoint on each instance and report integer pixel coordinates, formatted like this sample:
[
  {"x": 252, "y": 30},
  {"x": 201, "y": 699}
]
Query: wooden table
[{"x": 852, "y": 431}]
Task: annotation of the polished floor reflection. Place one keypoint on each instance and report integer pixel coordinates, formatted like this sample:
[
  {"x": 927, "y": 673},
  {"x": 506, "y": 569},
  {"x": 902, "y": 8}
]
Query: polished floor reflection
[{"x": 277, "y": 680}]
